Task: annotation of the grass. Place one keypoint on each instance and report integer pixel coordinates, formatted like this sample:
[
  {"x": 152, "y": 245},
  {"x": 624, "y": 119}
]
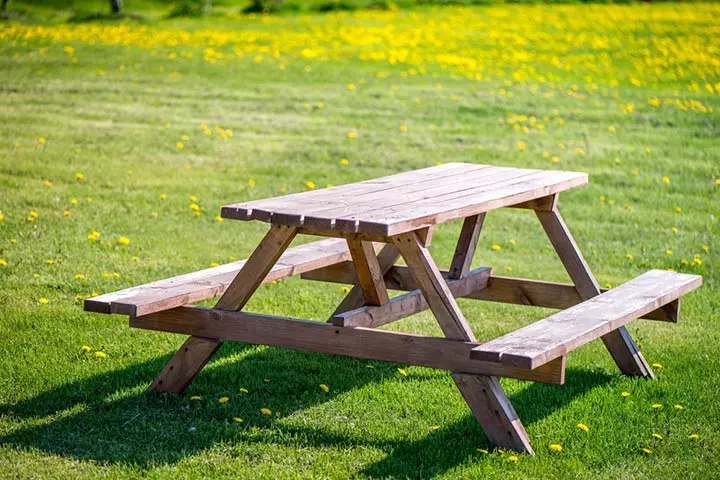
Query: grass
[{"x": 628, "y": 94}]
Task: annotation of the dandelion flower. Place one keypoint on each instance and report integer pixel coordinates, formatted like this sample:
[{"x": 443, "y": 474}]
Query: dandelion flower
[
  {"x": 513, "y": 458},
  {"x": 195, "y": 398},
  {"x": 679, "y": 407},
  {"x": 657, "y": 406},
  {"x": 192, "y": 198},
  {"x": 218, "y": 218},
  {"x": 252, "y": 183},
  {"x": 224, "y": 399},
  {"x": 402, "y": 372},
  {"x": 554, "y": 159},
  {"x": 41, "y": 140},
  {"x": 86, "y": 349},
  {"x": 123, "y": 241},
  {"x": 646, "y": 451},
  {"x": 611, "y": 129},
  {"x": 482, "y": 450},
  {"x": 657, "y": 436},
  {"x": 344, "y": 162},
  {"x": 3, "y": 262},
  {"x": 214, "y": 264},
  {"x": 666, "y": 179},
  {"x": 674, "y": 230},
  {"x": 496, "y": 247},
  {"x": 657, "y": 365},
  {"x": 163, "y": 196},
  {"x": 100, "y": 354},
  {"x": 678, "y": 210},
  {"x": 625, "y": 394},
  {"x": 243, "y": 390},
  {"x": 79, "y": 276},
  {"x": 79, "y": 176},
  {"x": 266, "y": 411},
  {"x": 403, "y": 128},
  {"x": 352, "y": 135},
  {"x": 194, "y": 207},
  {"x": 237, "y": 420},
  {"x": 324, "y": 388},
  {"x": 629, "y": 256},
  {"x": 556, "y": 447},
  {"x": 47, "y": 183},
  {"x": 310, "y": 184},
  {"x": 2, "y": 216},
  {"x": 521, "y": 146},
  {"x": 693, "y": 436},
  {"x": 43, "y": 300},
  {"x": 669, "y": 251},
  {"x": 583, "y": 427}
]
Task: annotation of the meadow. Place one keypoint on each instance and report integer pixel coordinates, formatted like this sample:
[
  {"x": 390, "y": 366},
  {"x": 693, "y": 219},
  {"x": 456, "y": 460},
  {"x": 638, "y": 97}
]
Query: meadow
[{"x": 119, "y": 142}]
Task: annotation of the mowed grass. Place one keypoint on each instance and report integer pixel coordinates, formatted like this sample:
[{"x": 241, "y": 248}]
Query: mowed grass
[{"x": 91, "y": 119}]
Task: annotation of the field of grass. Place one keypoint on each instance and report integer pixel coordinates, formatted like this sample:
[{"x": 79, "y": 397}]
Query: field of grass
[{"x": 120, "y": 142}]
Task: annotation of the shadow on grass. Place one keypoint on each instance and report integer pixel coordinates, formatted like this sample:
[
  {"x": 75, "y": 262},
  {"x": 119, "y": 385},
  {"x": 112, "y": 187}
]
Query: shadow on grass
[{"x": 110, "y": 418}]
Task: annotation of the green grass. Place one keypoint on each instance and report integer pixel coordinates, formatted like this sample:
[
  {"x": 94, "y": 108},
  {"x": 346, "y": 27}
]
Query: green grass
[{"x": 116, "y": 116}]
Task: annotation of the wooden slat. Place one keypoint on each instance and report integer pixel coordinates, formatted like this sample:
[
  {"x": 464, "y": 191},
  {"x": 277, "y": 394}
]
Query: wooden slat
[
  {"x": 618, "y": 342},
  {"x": 368, "y": 272},
  {"x": 297, "y": 203},
  {"x": 546, "y": 204},
  {"x": 394, "y": 221},
  {"x": 321, "y": 337},
  {"x": 518, "y": 291},
  {"x": 555, "y": 336},
  {"x": 212, "y": 282},
  {"x": 466, "y": 245},
  {"x": 408, "y": 304}
]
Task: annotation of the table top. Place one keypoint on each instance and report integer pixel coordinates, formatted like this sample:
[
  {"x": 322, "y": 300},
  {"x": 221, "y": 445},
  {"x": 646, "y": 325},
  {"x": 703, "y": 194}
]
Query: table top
[{"x": 408, "y": 201}]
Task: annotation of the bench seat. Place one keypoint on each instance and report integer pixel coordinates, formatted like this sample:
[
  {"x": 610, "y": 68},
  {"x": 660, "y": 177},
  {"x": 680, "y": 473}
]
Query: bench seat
[
  {"x": 212, "y": 282},
  {"x": 558, "y": 334}
]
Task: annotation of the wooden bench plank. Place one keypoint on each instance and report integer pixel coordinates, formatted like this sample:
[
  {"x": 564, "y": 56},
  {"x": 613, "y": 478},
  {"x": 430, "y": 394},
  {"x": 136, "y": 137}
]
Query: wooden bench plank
[
  {"x": 322, "y": 337},
  {"x": 555, "y": 336},
  {"x": 212, "y": 282}
]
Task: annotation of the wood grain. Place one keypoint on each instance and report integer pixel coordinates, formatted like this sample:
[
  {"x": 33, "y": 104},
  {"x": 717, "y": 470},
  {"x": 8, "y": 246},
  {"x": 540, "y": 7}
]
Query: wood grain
[
  {"x": 466, "y": 245},
  {"x": 368, "y": 272},
  {"x": 185, "y": 365}
]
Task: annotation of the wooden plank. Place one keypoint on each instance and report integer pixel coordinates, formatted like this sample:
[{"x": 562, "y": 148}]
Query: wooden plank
[
  {"x": 256, "y": 267},
  {"x": 436, "y": 292},
  {"x": 368, "y": 272},
  {"x": 453, "y": 324},
  {"x": 321, "y": 337},
  {"x": 518, "y": 291},
  {"x": 555, "y": 336},
  {"x": 185, "y": 365},
  {"x": 463, "y": 204},
  {"x": 482, "y": 179},
  {"x": 344, "y": 235},
  {"x": 408, "y": 304},
  {"x": 298, "y": 203},
  {"x": 493, "y": 409},
  {"x": 467, "y": 243},
  {"x": 355, "y": 297},
  {"x": 619, "y": 343},
  {"x": 546, "y": 204},
  {"x": 212, "y": 282}
]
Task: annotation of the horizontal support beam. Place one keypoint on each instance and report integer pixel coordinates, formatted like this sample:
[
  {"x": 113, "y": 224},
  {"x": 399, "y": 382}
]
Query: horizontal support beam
[
  {"x": 408, "y": 304},
  {"x": 544, "y": 204},
  {"x": 518, "y": 291},
  {"x": 323, "y": 337},
  {"x": 366, "y": 237}
]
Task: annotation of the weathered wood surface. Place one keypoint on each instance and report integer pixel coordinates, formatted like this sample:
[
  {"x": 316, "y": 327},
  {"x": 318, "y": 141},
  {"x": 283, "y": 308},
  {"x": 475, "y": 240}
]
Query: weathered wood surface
[
  {"x": 368, "y": 272},
  {"x": 408, "y": 304},
  {"x": 322, "y": 337},
  {"x": 555, "y": 336},
  {"x": 408, "y": 201},
  {"x": 466, "y": 245},
  {"x": 185, "y": 365},
  {"x": 518, "y": 291},
  {"x": 212, "y": 282}
]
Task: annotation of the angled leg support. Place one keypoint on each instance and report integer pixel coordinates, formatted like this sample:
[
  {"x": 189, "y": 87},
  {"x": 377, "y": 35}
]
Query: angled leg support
[
  {"x": 618, "y": 342},
  {"x": 484, "y": 395},
  {"x": 196, "y": 351}
]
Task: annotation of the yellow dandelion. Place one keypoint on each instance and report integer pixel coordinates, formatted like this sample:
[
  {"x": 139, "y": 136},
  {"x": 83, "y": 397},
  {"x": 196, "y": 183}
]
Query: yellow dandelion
[
  {"x": 79, "y": 176},
  {"x": 310, "y": 184},
  {"x": 679, "y": 406},
  {"x": 629, "y": 256},
  {"x": 402, "y": 372},
  {"x": 47, "y": 183},
  {"x": 344, "y": 289},
  {"x": 194, "y": 207},
  {"x": 2, "y": 216},
  {"x": 521, "y": 146},
  {"x": 583, "y": 427},
  {"x": 678, "y": 210},
  {"x": 324, "y": 388},
  {"x": 224, "y": 399},
  {"x": 218, "y": 218},
  {"x": 351, "y": 86},
  {"x": 74, "y": 201},
  {"x": 556, "y": 447},
  {"x": 484, "y": 451},
  {"x": 3, "y": 262},
  {"x": 163, "y": 196},
  {"x": 666, "y": 179},
  {"x": 625, "y": 394},
  {"x": 403, "y": 128},
  {"x": 674, "y": 230},
  {"x": 43, "y": 300},
  {"x": 554, "y": 159},
  {"x": 86, "y": 349},
  {"x": 123, "y": 241},
  {"x": 611, "y": 129},
  {"x": 705, "y": 248},
  {"x": 214, "y": 264},
  {"x": 496, "y": 247},
  {"x": 185, "y": 138},
  {"x": 79, "y": 276},
  {"x": 252, "y": 183},
  {"x": 657, "y": 406},
  {"x": 66, "y": 212},
  {"x": 243, "y": 390},
  {"x": 99, "y": 354},
  {"x": 608, "y": 285},
  {"x": 646, "y": 451},
  {"x": 237, "y": 420},
  {"x": 192, "y": 198},
  {"x": 196, "y": 398},
  {"x": 352, "y": 135},
  {"x": 657, "y": 436},
  {"x": 345, "y": 162},
  {"x": 657, "y": 365},
  {"x": 116, "y": 275},
  {"x": 693, "y": 436},
  {"x": 266, "y": 411},
  {"x": 179, "y": 145},
  {"x": 513, "y": 458},
  {"x": 41, "y": 140}
]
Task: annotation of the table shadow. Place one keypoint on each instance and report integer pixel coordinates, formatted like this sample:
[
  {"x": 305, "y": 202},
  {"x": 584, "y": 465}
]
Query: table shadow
[{"x": 110, "y": 418}]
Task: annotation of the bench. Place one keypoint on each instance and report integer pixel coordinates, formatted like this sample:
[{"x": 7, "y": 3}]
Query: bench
[
  {"x": 212, "y": 282},
  {"x": 558, "y": 334}
]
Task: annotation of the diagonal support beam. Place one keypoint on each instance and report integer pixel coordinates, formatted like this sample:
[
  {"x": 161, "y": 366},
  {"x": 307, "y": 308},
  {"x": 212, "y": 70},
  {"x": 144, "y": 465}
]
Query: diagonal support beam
[
  {"x": 466, "y": 246},
  {"x": 197, "y": 351},
  {"x": 618, "y": 342},
  {"x": 369, "y": 273},
  {"x": 484, "y": 395}
]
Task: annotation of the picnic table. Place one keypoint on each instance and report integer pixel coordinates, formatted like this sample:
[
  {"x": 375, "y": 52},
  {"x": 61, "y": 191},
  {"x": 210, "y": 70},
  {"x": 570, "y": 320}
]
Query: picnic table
[{"x": 368, "y": 225}]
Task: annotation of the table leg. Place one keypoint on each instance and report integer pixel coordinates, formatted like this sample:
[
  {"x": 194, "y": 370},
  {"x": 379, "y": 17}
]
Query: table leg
[
  {"x": 484, "y": 395},
  {"x": 356, "y": 297},
  {"x": 618, "y": 342},
  {"x": 196, "y": 351}
]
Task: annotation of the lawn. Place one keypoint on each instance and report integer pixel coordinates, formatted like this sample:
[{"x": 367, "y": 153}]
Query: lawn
[{"x": 119, "y": 142}]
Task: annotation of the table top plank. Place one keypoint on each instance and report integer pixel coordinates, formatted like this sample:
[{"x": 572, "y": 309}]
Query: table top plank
[{"x": 407, "y": 201}]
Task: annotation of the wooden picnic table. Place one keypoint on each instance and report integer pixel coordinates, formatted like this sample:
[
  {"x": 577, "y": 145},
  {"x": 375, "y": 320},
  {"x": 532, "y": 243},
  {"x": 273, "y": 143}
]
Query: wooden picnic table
[{"x": 368, "y": 226}]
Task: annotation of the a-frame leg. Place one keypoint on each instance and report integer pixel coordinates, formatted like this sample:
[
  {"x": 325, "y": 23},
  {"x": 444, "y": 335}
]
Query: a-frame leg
[
  {"x": 355, "y": 298},
  {"x": 484, "y": 395},
  {"x": 618, "y": 342},
  {"x": 196, "y": 351}
]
